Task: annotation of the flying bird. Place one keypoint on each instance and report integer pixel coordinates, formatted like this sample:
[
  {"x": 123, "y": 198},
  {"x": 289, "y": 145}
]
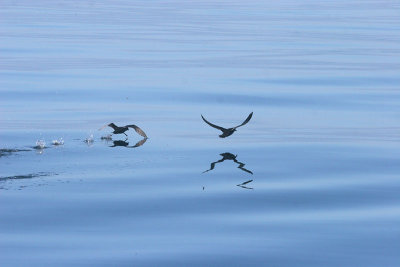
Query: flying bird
[
  {"x": 227, "y": 131},
  {"x": 123, "y": 129}
]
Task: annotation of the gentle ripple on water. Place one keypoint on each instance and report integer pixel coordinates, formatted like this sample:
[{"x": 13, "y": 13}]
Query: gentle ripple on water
[{"x": 321, "y": 151}]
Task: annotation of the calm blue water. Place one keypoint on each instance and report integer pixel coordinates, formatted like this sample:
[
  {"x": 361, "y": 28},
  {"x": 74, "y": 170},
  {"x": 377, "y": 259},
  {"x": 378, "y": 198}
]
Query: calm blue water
[{"x": 319, "y": 176}]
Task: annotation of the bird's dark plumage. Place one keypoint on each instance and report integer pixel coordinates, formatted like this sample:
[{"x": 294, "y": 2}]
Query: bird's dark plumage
[
  {"x": 137, "y": 129},
  {"x": 227, "y": 131},
  {"x": 123, "y": 129},
  {"x": 126, "y": 144}
]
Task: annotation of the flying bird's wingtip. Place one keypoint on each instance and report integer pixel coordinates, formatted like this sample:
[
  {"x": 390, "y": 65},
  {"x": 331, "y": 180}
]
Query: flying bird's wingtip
[{"x": 102, "y": 127}]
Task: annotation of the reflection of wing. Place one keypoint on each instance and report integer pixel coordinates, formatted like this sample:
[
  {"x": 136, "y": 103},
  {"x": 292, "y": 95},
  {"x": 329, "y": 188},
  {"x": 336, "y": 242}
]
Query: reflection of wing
[
  {"x": 249, "y": 181},
  {"x": 211, "y": 168},
  {"x": 141, "y": 142},
  {"x": 246, "y": 121},
  {"x": 244, "y": 169},
  {"x": 212, "y": 125},
  {"x": 137, "y": 129},
  {"x": 213, "y": 165},
  {"x": 243, "y": 185},
  {"x": 241, "y": 166}
]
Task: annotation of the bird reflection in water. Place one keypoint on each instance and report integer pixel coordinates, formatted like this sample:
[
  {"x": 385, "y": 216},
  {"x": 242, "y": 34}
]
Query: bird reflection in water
[
  {"x": 229, "y": 156},
  {"x": 124, "y": 143},
  {"x": 244, "y": 184}
]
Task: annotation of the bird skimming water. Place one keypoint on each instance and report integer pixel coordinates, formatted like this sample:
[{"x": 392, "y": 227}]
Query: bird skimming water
[
  {"x": 123, "y": 129},
  {"x": 227, "y": 131}
]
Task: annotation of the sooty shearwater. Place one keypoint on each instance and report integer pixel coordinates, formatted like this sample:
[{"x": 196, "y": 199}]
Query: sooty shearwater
[
  {"x": 123, "y": 129},
  {"x": 227, "y": 131}
]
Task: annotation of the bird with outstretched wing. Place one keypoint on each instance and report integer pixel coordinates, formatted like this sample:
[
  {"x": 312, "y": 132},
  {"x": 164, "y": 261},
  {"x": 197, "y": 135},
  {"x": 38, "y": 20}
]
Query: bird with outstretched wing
[
  {"x": 227, "y": 131},
  {"x": 123, "y": 129}
]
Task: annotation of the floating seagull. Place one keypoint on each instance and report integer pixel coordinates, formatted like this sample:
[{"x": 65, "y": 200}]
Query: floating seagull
[
  {"x": 229, "y": 156},
  {"x": 123, "y": 129},
  {"x": 227, "y": 131}
]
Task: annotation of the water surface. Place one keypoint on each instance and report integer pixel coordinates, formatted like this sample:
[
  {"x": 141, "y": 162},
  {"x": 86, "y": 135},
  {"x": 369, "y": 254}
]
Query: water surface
[{"x": 319, "y": 184}]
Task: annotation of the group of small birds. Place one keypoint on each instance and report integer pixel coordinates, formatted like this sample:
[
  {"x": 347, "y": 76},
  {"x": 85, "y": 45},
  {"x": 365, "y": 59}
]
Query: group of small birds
[
  {"x": 225, "y": 131},
  {"x": 40, "y": 144}
]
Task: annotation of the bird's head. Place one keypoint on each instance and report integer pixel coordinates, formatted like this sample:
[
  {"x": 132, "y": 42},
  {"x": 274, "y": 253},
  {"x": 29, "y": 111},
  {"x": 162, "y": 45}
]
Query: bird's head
[{"x": 111, "y": 124}]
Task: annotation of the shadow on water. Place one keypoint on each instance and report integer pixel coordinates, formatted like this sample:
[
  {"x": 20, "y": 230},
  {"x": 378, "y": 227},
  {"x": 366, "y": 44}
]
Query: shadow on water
[
  {"x": 124, "y": 143},
  {"x": 229, "y": 156}
]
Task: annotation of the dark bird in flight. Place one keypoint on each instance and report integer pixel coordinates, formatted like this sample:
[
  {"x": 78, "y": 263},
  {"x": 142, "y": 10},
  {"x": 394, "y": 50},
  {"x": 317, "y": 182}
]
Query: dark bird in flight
[
  {"x": 123, "y": 129},
  {"x": 229, "y": 156},
  {"x": 227, "y": 131}
]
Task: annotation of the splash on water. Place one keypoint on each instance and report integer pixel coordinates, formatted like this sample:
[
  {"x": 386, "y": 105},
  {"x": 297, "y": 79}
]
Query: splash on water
[
  {"x": 89, "y": 140},
  {"x": 40, "y": 144},
  {"x": 106, "y": 137},
  {"x": 58, "y": 142}
]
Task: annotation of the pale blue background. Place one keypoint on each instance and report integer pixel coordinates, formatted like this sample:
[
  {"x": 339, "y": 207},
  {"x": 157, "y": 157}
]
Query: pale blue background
[{"x": 322, "y": 78}]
